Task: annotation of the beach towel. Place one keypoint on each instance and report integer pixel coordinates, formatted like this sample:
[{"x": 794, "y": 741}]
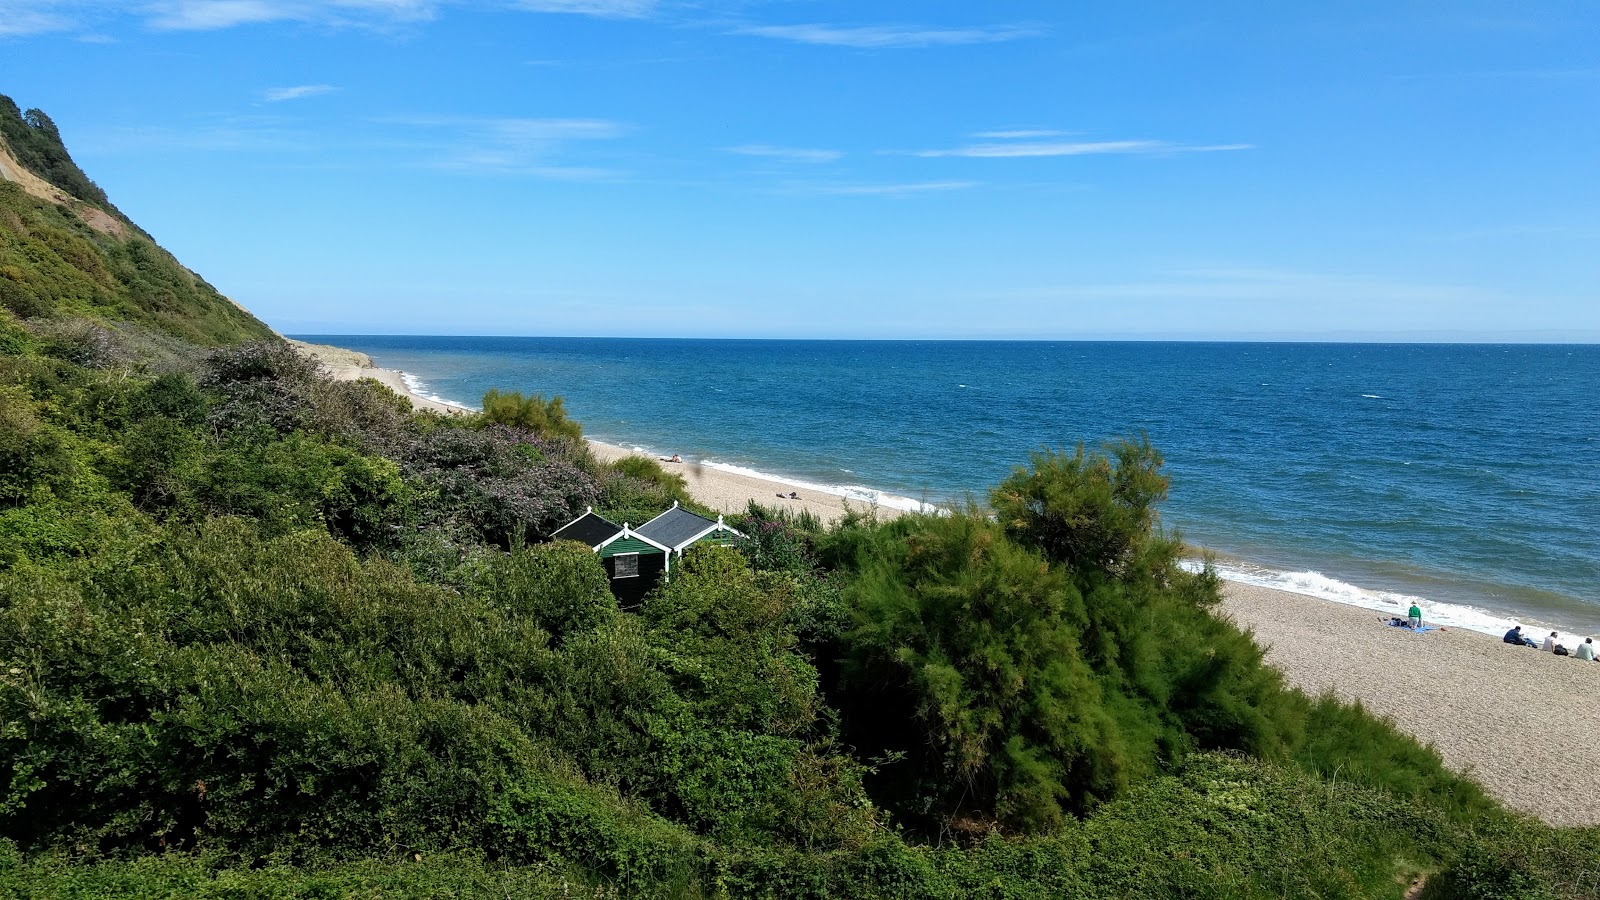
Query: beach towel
[{"x": 1401, "y": 623}]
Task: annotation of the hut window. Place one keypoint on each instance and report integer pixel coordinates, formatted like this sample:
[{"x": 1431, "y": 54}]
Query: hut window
[{"x": 625, "y": 565}]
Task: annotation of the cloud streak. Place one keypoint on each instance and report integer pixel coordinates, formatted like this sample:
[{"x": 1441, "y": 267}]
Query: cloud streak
[
  {"x": 23, "y": 18},
  {"x": 1024, "y": 149},
  {"x": 298, "y": 92},
  {"x": 787, "y": 154},
  {"x": 888, "y": 37},
  {"x": 606, "y": 9},
  {"x": 28, "y": 17},
  {"x": 213, "y": 15},
  {"x": 513, "y": 146},
  {"x": 891, "y": 190}
]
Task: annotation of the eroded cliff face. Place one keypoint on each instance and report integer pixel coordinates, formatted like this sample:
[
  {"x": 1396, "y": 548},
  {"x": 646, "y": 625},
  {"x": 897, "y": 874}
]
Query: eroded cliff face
[{"x": 96, "y": 218}]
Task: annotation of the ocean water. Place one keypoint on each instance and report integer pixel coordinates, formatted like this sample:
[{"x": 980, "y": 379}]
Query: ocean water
[{"x": 1464, "y": 475}]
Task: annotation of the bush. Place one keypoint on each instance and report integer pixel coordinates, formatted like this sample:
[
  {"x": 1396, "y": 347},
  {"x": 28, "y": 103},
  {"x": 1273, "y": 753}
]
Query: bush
[{"x": 535, "y": 414}]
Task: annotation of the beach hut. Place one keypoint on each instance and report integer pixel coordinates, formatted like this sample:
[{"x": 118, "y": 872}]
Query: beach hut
[
  {"x": 633, "y": 563},
  {"x": 678, "y": 529}
]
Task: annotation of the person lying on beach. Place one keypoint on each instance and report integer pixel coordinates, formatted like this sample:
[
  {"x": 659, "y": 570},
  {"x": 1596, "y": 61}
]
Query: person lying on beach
[
  {"x": 672, "y": 458},
  {"x": 1585, "y": 650}
]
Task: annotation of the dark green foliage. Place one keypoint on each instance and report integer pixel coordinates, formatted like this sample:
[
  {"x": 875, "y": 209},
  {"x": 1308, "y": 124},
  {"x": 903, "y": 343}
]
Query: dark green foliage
[
  {"x": 559, "y": 587},
  {"x": 978, "y": 638},
  {"x": 1344, "y": 741},
  {"x": 778, "y": 540},
  {"x": 36, "y": 142},
  {"x": 634, "y": 489},
  {"x": 546, "y": 418},
  {"x": 1484, "y": 872},
  {"x": 504, "y": 485},
  {"x": 1093, "y": 512},
  {"x": 1050, "y": 658}
]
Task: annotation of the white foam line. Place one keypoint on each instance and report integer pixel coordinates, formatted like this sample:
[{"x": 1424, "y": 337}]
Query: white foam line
[
  {"x": 1452, "y": 615},
  {"x": 419, "y": 387},
  {"x": 861, "y": 493}
]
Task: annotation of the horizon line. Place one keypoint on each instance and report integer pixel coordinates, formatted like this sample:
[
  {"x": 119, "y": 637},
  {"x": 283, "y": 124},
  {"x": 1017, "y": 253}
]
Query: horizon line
[{"x": 1532, "y": 338}]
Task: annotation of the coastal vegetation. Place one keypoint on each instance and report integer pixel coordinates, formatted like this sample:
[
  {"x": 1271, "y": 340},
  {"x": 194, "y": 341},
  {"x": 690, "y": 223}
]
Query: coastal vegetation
[{"x": 264, "y": 634}]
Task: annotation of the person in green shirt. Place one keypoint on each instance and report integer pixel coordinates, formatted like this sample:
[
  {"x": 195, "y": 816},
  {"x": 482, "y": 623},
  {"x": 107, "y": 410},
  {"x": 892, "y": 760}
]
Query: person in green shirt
[
  {"x": 1416, "y": 616},
  {"x": 1585, "y": 650}
]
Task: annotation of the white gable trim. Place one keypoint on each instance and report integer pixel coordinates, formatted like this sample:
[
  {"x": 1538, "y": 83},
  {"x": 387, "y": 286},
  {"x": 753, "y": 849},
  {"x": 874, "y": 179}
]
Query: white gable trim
[{"x": 628, "y": 532}]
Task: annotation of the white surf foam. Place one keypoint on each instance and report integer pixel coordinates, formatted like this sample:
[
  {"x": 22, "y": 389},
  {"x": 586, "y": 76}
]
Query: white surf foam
[
  {"x": 1450, "y": 615},
  {"x": 419, "y": 387},
  {"x": 855, "y": 492}
]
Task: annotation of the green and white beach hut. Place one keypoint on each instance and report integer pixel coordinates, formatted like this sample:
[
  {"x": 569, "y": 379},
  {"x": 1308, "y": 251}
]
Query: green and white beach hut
[
  {"x": 633, "y": 562},
  {"x": 678, "y": 529}
]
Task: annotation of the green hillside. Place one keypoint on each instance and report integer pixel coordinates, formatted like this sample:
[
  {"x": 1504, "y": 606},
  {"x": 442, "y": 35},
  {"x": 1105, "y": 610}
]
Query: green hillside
[
  {"x": 54, "y": 264},
  {"x": 267, "y": 635}
]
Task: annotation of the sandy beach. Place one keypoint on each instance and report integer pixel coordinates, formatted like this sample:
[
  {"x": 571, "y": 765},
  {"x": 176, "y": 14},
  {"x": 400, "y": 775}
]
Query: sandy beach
[
  {"x": 730, "y": 492},
  {"x": 348, "y": 365},
  {"x": 1521, "y": 722},
  {"x": 1524, "y": 724}
]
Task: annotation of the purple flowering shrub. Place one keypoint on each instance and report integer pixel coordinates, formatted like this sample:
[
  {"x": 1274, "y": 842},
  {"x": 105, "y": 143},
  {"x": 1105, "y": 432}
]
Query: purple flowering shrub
[{"x": 500, "y": 482}]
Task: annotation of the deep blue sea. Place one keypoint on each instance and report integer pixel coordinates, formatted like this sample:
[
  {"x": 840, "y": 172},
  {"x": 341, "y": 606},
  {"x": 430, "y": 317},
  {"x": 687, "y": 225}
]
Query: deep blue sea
[{"x": 1465, "y": 475}]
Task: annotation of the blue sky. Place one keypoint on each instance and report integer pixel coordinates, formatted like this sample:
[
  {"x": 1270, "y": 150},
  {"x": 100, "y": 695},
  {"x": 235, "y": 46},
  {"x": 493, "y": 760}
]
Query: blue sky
[{"x": 820, "y": 169}]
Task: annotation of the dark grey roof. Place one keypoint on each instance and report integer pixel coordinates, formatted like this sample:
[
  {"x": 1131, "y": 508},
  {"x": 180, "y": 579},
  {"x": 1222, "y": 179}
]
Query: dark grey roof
[
  {"x": 586, "y": 529},
  {"x": 676, "y": 527}
]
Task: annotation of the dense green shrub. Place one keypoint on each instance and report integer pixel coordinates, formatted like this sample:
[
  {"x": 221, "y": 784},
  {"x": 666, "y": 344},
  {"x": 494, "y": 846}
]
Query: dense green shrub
[
  {"x": 635, "y": 489},
  {"x": 546, "y": 418}
]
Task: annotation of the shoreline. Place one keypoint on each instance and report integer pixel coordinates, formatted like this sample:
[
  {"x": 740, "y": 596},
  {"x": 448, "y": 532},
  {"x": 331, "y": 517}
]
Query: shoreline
[
  {"x": 729, "y": 488},
  {"x": 348, "y": 365},
  {"x": 1517, "y": 720},
  {"x": 731, "y": 492},
  {"x": 715, "y": 486}
]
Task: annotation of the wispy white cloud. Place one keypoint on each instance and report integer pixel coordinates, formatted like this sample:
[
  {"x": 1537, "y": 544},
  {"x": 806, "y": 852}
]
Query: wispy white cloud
[
  {"x": 1020, "y": 149},
  {"x": 889, "y": 37},
  {"x": 512, "y": 146},
  {"x": 25, "y": 17},
  {"x": 787, "y": 154},
  {"x": 298, "y": 92},
  {"x": 609, "y": 9},
  {"x": 1020, "y": 134},
  {"x": 212, "y": 15},
  {"x": 1264, "y": 285},
  {"x": 890, "y": 190}
]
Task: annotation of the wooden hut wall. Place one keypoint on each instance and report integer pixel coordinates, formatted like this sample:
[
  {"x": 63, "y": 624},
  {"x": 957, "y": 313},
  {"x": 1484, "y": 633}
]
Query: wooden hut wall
[{"x": 631, "y": 591}]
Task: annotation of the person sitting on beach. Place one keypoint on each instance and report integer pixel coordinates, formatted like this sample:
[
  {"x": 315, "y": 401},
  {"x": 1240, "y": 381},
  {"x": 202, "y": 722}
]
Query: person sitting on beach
[
  {"x": 1549, "y": 643},
  {"x": 1585, "y": 650},
  {"x": 1515, "y": 636},
  {"x": 793, "y": 496},
  {"x": 1415, "y": 615},
  {"x": 672, "y": 458}
]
